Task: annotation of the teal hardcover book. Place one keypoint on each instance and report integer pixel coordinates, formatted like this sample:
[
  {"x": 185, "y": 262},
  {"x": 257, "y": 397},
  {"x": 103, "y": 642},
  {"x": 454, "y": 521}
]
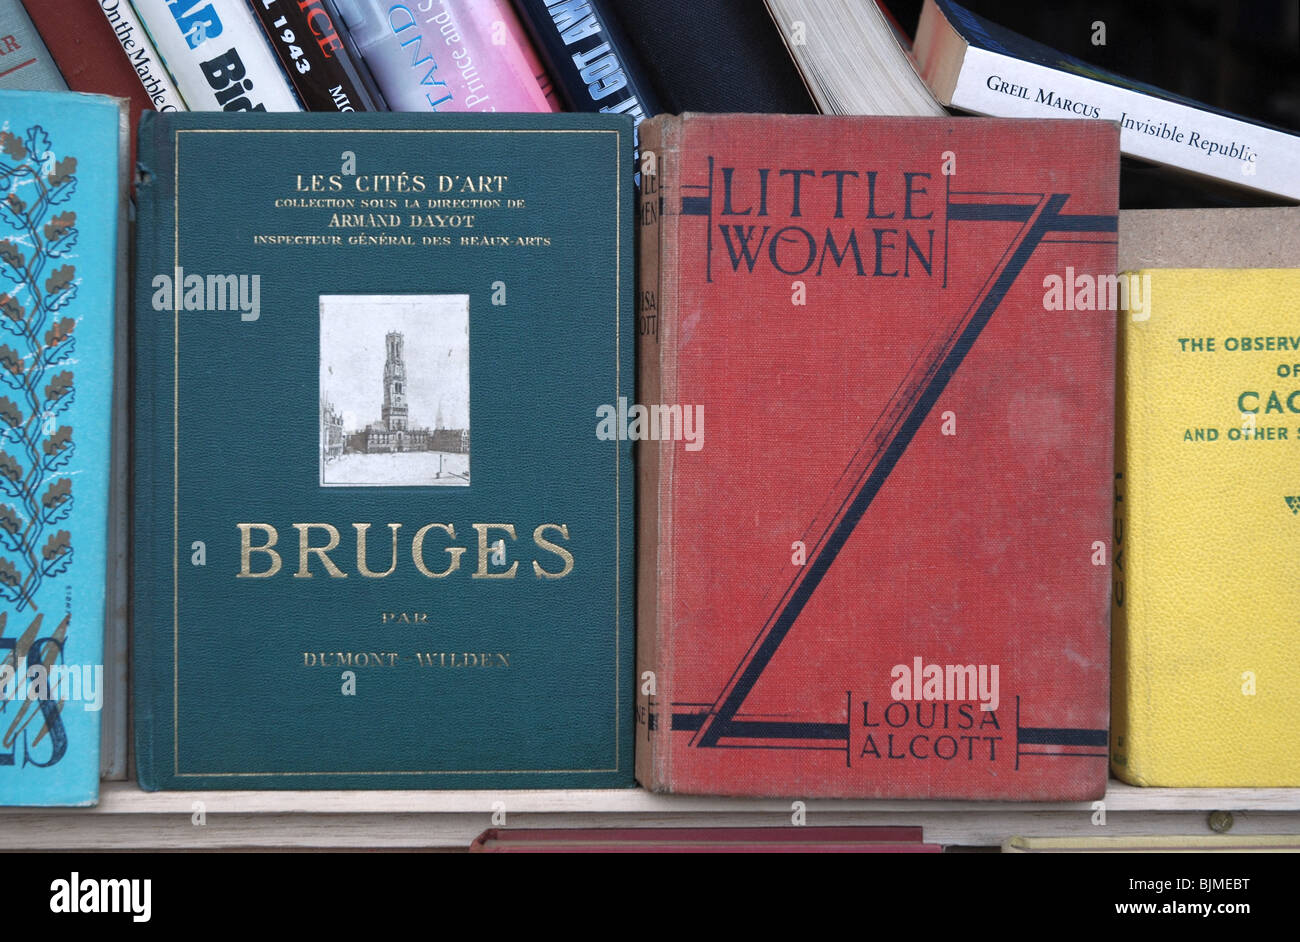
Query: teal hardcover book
[
  {"x": 381, "y": 540},
  {"x": 62, "y": 165}
]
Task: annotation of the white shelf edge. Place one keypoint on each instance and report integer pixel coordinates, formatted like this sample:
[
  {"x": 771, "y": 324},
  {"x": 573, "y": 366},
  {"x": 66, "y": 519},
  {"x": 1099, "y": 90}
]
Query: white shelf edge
[
  {"x": 130, "y": 819},
  {"x": 118, "y": 798}
]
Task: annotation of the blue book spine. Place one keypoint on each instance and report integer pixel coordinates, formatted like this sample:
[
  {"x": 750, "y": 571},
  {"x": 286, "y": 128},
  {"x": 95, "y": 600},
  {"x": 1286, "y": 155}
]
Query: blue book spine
[{"x": 61, "y": 178}]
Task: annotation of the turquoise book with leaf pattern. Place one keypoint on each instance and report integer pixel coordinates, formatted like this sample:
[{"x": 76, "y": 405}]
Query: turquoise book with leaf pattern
[{"x": 61, "y": 166}]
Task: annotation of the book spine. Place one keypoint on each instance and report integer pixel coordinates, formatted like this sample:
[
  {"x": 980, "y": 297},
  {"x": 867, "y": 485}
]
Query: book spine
[
  {"x": 218, "y": 56},
  {"x": 656, "y": 314},
  {"x": 142, "y": 56},
  {"x": 539, "y": 72},
  {"x": 306, "y": 39},
  {"x": 589, "y": 57},
  {"x": 593, "y": 64},
  {"x": 719, "y": 56},
  {"x": 448, "y": 55},
  {"x": 1120, "y": 549},
  {"x": 151, "y": 382},
  {"x": 1128, "y": 672},
  {"x": 25, "y": 63},
  {"x": 365, "y": 78},
  {"x": 115, "y": 727},
  {"x": 1165, "y": 132}
]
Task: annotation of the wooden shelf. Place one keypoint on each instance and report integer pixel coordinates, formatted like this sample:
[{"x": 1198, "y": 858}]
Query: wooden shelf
[{"x": 127, "y": 818}]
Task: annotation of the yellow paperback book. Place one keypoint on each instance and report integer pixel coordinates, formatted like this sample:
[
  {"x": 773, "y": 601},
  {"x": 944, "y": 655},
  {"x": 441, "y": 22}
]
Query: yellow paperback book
[{"x": 1206, "y": 555}]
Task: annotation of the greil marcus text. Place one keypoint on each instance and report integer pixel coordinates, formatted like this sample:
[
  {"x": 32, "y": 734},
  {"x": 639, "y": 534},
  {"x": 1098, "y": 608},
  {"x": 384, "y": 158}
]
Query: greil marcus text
[{"x": 433, "y": 549}]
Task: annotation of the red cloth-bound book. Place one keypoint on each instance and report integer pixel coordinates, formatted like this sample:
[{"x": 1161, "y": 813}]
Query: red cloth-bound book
[
  {"x": 82, "y": 42},
  {"x": 876, "y": 383}
]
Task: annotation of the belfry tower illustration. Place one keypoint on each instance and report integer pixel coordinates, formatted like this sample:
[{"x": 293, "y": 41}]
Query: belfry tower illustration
[{"x": 394, "y": 414}]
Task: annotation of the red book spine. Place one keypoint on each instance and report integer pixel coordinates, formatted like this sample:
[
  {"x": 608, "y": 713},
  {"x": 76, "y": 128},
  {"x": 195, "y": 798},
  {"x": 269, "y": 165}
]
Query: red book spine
[
  {"x": 88, "y": 54},
  {"x": 633, "y": 847},
  {"x": 850, "y": 834},
  {"x": 738, "y": 840},
  {"x": 656, "y": 312}
]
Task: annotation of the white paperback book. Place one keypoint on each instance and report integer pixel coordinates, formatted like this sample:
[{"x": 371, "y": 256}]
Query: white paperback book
[
  {"x": 218, "y": 55},
  {"x": 130, "y": 32},
  {"x": 853, "y": 58},
  {"x": 978, "y": 66}
]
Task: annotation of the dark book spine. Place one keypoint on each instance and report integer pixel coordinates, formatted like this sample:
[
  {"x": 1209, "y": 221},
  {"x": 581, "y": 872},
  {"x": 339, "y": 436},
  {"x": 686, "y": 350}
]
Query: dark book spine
[
  {"x": 148, "y": 608},
  {"x": 308, "y": 39},
  {"x": 712, "y": 55},
  {"x": 589, "y": 57}
]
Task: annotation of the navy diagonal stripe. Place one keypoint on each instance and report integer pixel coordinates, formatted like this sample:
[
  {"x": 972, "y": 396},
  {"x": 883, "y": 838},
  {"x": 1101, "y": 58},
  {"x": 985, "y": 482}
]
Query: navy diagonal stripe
[
  {"x": 1050, "y": 220},
  {"x": 1048, "y": 736}
]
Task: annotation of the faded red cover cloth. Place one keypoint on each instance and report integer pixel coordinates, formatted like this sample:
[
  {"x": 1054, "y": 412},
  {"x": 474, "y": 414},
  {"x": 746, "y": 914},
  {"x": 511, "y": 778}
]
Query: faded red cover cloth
[
  {"x": 84, "y": 46},
  {"x": 738, "y": 840},
  {"x": 892, "y": 509}
]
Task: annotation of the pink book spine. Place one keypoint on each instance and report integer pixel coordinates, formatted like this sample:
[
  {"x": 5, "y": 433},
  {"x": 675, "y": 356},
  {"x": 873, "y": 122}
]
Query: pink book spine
[
  {"x": 448, "y": 55},
  {"x": 493, "y": 67},
  {"x": 509, "y": 50}
]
